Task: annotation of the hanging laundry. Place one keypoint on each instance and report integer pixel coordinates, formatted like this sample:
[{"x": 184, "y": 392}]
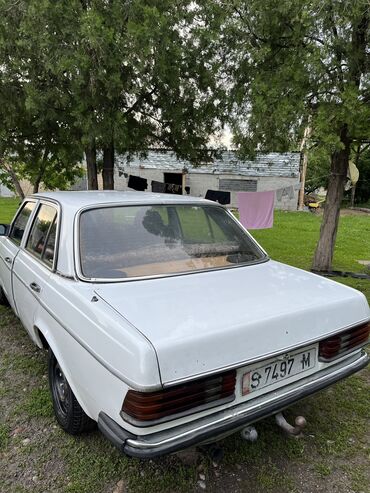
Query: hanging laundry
[
  {"x": 137, "y": 183},
  {"x": 158, "y": 187},
  {"x": 256, "y": 209},
  {"x": 218, "y": 196},
  {"x": 353, "y": 174}
]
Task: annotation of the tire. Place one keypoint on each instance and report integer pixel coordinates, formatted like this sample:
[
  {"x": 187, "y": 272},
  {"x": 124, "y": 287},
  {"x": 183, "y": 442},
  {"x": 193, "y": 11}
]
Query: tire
[
  {"x": 68, "y": 412},
  {"x": 3, "y": 300}
]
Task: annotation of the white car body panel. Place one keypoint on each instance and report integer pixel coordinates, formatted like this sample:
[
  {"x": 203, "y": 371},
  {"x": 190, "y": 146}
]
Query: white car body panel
[
  {"x": 101, "y": 332},
  {"x": 207, "y": 321},
  {"x": 8, "y": 252},
  {"x": 27, "y": 270}
]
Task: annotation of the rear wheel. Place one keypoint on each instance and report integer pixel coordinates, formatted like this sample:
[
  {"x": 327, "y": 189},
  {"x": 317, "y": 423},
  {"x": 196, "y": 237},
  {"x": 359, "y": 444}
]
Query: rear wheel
[{"x": 68, "y": 411}]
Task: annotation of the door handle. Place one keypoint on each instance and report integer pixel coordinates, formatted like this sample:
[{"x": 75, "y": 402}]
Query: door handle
[
  {"x": 35, "y": 287},
  {"x": 8, "y": 260}
]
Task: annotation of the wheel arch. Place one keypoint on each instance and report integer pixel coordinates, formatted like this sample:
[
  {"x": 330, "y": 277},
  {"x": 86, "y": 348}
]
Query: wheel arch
[
  {"x": 45, "y": 340},
  {"x": 40, "y": 339}
]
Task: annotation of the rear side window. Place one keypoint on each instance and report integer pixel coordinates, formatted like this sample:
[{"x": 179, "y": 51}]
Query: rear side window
[
  {"x": 17, "y": 231},
  {"x": 41, "y": 241},
  {"x": 48, "y": 257}
]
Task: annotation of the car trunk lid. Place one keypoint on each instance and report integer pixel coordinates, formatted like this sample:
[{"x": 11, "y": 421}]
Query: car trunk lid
[{"x": 207, "y": 321}]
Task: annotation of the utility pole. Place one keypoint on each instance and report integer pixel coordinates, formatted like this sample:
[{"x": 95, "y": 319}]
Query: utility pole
[{"x": 303, "y": 149}]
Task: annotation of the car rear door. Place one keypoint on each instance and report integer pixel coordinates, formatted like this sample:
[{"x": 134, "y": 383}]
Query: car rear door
[
  {"x": 34, "y": 263},
  {"x": 10, "y": 245}
]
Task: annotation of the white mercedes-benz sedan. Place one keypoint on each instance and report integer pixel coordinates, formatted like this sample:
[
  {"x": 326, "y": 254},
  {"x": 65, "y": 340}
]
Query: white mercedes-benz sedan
[{"x": 165, "y": 322}]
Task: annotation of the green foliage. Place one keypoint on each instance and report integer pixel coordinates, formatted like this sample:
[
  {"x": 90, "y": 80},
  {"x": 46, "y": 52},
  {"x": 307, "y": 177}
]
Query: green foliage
[
  {"x": 294, "y": 63},
  {"x": 35, "y": 141},
  {"x": 297, "y": 65},
  {"x": 318, "y": 172},
  {"x": 363, "y": 185},
  {"x": 318, "y": 168},
  {"x": 136, "y": 73}
]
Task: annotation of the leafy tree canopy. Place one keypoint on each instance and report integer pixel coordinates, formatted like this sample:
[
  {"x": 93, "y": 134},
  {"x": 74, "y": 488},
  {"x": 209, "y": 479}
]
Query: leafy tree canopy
[
  {"x": 290, "y": 65},
  {"x": 112, "y": 75}
]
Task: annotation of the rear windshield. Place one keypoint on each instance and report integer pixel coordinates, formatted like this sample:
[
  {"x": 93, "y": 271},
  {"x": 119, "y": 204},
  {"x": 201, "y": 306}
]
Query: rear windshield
[{"x": 156, "y": 240}]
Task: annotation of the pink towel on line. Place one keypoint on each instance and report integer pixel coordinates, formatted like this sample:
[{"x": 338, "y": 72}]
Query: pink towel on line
[{"x": 256, "y": 209}]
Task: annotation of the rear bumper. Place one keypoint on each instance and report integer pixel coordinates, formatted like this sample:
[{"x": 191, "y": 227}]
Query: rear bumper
[{"x": 227, "y": 420}]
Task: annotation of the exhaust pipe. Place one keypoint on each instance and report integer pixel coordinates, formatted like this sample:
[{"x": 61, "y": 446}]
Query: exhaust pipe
[{"x": 293, "y": 431}]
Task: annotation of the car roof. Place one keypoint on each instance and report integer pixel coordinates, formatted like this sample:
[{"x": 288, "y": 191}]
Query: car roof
[{"x": 80, "y": 199}]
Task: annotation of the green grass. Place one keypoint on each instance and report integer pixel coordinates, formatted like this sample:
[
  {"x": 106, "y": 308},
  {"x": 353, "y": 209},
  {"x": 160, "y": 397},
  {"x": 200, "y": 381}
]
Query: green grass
[
  {"x": 270, "y": 478},
  {"x": 333, "y": 453},
  {"x": 294, "y": 236},
  {"x": 8, "y": 207},
  {"x": 4, "y": 436},
  {"x": 36, "y": 404},
  {"x": 322, "y": 469}
]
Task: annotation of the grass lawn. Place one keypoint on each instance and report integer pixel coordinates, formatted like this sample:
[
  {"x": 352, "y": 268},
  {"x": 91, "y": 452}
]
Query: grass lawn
[
  {"x": 333, "y": 456},
  {"x": 293, "y": 240},
  {"x": 8, "y": 207}
]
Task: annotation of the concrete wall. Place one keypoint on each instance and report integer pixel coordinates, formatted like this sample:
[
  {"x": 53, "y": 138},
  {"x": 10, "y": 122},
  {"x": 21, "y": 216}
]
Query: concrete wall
[
  {"x": 199, "y": 183},
  {"x": 5, "y": 192},
  {"x": 26, "y": 186}
]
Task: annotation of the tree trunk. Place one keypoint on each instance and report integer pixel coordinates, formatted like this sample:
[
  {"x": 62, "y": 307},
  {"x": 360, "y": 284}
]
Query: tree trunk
[
  {"x": 36, "y": 185},
  {"x": 108, "y": 167},
  {"x": 338, "y": 174},
  {"x": 15, "y": 181},
  {"x": 42, "y": 169},
  {"x": 353, "y": 194},
  {"x": 92, "y": 173}
]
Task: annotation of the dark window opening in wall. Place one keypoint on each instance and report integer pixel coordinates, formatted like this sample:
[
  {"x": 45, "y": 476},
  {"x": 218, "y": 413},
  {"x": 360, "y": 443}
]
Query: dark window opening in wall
[
  {"x": 173, "y": 183},
  {"x": 238, "y": 185}
]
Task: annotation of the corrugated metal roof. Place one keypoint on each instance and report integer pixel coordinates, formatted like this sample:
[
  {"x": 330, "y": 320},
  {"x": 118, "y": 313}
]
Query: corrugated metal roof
[{"x": 272, "y": 164}]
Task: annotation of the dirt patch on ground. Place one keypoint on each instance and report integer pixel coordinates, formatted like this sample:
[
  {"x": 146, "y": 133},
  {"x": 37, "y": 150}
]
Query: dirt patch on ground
[{"x": 353, "y": 212}]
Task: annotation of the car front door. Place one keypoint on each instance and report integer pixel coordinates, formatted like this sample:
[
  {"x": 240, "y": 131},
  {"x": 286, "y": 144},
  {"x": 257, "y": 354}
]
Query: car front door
[
  {"x": 34, "y": 264},
  {"x": 10, "y": 245}
]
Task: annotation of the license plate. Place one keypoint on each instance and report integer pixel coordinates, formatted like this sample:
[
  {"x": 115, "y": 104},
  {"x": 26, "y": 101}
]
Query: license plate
[{"x": 282, "y": 368}]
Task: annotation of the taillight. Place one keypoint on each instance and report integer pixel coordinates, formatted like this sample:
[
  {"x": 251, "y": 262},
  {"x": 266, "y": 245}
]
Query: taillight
[
  {"x": 207, "y": 392},
  {"x": 339, "y": 344}
]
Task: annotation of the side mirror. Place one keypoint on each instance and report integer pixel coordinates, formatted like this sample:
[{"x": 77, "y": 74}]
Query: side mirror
[{"x": 4, "y": 229}]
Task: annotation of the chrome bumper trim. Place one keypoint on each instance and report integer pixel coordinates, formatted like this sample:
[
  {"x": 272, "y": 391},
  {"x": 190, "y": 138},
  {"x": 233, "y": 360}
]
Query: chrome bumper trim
[
  {"x": 241, "y": 414},
  {"x": 230, "y": 419}
]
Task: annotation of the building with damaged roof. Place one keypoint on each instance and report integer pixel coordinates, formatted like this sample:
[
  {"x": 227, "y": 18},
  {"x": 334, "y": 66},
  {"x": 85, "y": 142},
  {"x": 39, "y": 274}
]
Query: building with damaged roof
[{"x": 273, "y": 171}]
